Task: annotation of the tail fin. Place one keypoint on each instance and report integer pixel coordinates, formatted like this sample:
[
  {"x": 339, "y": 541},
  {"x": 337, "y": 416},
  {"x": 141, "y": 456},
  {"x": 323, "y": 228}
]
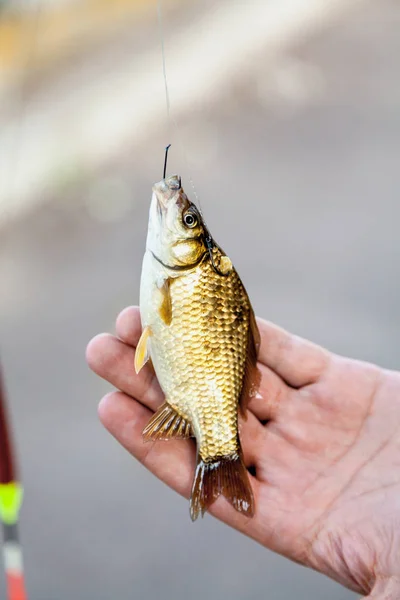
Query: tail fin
[{"x": 225, "y": 475}]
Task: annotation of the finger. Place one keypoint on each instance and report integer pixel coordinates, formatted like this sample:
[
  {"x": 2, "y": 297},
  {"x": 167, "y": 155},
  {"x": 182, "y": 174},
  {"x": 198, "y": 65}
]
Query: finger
[
  {"x": 273, "y": 389},
  {"x": 252, "y": 436},
  {"x": 172, "y": 462},
  {"x": 272, "y": 394},
  {"x": 296, "y": 360},
  {"x": 113, "y": 360},
  {"x": 128, "y": 326},
  {"x": 117, "y": 406}
]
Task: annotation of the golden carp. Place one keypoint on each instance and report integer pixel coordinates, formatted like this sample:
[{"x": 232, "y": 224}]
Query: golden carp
[{"x": 200, "y": 332}]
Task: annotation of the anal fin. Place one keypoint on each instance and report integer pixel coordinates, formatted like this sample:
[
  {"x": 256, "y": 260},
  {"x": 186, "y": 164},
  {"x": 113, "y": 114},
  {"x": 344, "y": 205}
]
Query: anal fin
[
  {"x": 226, "y": 476},
  {"x": 167, "y": 424}
]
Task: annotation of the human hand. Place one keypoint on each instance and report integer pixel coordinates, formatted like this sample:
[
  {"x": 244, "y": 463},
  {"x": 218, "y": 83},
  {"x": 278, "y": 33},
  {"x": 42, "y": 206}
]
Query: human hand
[{"x": 322, "y": 439}]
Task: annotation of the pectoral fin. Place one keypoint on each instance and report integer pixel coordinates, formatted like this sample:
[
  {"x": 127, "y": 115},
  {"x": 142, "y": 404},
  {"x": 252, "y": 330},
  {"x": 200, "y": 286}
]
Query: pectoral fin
[
  {"x": 142, "y": 354},
  {"x": 225, "y": 265},
  {"x": 165, "y": 310},
  {"x": 167, "y": 424},
  {"x": 252, "y": 376}
]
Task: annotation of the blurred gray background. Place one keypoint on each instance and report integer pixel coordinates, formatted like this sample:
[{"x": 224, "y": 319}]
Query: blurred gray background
[{"x": 295, "y": 159}]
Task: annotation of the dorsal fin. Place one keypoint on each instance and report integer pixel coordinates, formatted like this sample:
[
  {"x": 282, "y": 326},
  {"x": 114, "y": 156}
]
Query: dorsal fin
[{"x": 252, "y": 375}]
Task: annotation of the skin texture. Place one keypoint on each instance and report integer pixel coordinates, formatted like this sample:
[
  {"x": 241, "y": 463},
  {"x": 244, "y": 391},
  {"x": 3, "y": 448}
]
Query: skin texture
[{"x": 322, "y": 437}]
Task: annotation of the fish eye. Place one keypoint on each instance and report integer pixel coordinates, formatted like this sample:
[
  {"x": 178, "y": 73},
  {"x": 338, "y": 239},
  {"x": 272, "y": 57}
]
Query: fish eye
[{"x": 190, "y": 220}]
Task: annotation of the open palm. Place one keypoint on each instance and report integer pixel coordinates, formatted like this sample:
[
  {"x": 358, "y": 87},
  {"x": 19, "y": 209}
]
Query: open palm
[{"x": 321, "y": 440}]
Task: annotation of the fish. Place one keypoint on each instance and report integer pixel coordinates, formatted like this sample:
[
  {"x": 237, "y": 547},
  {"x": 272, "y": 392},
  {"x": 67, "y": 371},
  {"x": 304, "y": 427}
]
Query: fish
[{"x": 199, "y": 331}]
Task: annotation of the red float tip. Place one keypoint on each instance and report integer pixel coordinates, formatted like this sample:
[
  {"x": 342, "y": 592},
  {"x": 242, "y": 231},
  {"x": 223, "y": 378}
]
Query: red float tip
[{"x": 16, "y": 587}]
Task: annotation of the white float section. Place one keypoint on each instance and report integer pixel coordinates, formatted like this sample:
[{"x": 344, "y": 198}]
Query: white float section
[
  {"x": 12, "y": 558},
  {"x": 81, "y": 126}
]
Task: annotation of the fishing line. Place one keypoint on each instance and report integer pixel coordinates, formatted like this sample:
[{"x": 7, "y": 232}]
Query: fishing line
[
  {"x": 170, "y": 117},
  {"x": 161, "y": 28}
]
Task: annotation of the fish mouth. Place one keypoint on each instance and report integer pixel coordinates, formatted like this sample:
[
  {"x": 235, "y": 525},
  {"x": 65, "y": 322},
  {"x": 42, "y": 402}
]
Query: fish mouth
[{"x": 166, "y": 189}]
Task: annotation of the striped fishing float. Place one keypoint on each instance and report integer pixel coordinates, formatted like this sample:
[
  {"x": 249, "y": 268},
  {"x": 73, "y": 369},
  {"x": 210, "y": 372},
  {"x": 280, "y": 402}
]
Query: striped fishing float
[{"x": 10, "y": 504}]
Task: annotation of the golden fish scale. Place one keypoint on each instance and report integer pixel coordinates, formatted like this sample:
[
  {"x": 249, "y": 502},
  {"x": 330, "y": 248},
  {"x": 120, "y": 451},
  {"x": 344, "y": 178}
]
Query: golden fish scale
[{"x": 201, "y": 355}]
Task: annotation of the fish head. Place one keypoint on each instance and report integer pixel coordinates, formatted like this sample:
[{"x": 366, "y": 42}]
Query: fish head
[{"x": 176, "y": 234}]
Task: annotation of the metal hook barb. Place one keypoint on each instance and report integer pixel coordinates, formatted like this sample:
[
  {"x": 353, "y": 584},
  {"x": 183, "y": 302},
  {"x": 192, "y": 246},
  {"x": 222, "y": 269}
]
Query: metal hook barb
[{"x": 165, "y": 160}]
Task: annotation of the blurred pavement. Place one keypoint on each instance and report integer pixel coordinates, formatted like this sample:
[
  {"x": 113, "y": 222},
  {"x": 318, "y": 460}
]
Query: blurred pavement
[
  {"x": 297, "y": 170},
  {"x": 66, "y": 118}
]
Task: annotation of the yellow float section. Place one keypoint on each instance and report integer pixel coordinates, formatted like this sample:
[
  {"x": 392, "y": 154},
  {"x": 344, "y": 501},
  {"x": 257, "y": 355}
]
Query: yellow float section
[{"x": 10, "y": 502}]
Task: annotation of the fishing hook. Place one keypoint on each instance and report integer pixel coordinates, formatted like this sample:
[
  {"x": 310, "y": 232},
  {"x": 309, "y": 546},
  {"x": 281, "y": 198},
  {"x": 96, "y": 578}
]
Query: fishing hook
[{"x": 165, "y": 160}]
